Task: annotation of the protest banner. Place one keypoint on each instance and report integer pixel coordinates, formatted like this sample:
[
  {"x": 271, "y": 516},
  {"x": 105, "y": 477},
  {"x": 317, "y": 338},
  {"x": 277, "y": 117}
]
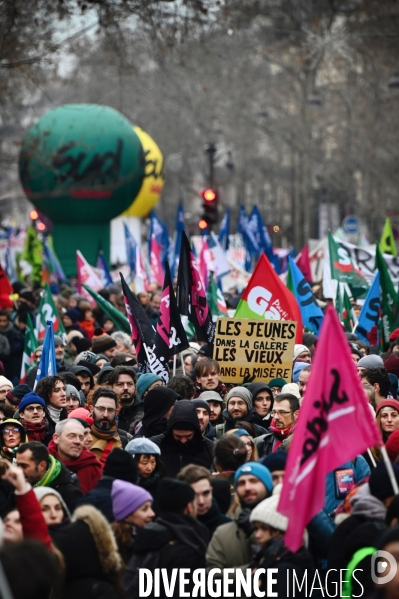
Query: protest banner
[{"x": 250, "y": 350}]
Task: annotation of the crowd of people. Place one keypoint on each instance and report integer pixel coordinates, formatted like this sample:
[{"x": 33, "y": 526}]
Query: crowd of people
[{"x": 106, "y": 470}]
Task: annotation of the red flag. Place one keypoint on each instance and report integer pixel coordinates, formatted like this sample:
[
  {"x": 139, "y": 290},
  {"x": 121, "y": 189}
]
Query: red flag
[
  {"x": 5, "y": 285},
  {"x": 157, "y": 275},
  {"x": 88, "y": 276},
  {"x": 335, "y": 424},
  {"x": 303, "y": 263},
  {"x": 267, "y": 297}
]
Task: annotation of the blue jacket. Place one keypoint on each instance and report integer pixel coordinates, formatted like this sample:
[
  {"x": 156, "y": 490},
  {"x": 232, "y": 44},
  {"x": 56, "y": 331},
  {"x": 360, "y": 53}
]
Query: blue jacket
[{"x": 361, "y": 469}]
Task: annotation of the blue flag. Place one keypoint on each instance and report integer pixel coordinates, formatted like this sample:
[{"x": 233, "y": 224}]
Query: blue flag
[
  {"x": 131, "y": 246},
  {"x": 248, "y": 233},
  {"x": 103, "y": 267},
  {"x": 159, "y": 230},
  {"x": 370, "y": 314},
  {"x": 179, "y": 227},
  {"x": 225, "y": 230},
  {"x": 256, "y": 224},
  {"x": 312, "y": 314},
  {"x": 47, "y": 365}
]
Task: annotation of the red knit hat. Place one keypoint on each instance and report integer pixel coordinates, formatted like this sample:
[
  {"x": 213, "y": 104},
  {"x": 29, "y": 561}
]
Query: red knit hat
[
  {"x": 394, "y": 335},
  {"x": 391, "y": 365},
  {"x": 392, "y": 446},
  {"x": 388, "y": 403}
]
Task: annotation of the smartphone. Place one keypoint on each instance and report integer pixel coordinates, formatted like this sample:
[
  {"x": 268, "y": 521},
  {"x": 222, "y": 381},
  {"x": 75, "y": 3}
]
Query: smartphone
[{"x": 344, "y": 482}]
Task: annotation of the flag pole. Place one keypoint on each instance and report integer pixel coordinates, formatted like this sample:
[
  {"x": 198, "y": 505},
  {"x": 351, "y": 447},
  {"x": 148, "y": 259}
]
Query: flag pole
[
  {"x": 174, "y": 365},
  {"x": 372, "y": 458},
  {"x": 388, "y": 465}
]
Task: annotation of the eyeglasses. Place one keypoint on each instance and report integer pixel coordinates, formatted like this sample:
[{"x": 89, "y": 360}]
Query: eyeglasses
[
  {"x": 7, "y": 431},
  {"x": 279, "y": 412},
  {"x": 31, "y": 409},
  {"x": 102, "y": 410}
]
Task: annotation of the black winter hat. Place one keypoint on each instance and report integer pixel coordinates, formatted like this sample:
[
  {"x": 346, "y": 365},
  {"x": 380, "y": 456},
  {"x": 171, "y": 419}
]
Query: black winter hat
[
  {"x": 201, "y": 403},
  {"x": 174, "y": 495},
  {"x": 104, "y": 374},
  {"x": 275, "y": 461},
  {"x": 380, "y": 483},
  {"x": 15, "y": 395},
  {"x": 81, "y": 344},
  {"x": 120, "y": 464},
  {"x": 205, "y": 350}
]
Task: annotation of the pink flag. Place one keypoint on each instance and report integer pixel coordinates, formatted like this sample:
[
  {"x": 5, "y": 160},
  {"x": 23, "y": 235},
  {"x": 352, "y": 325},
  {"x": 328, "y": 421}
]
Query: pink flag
[
  {"x": 88, "y": 276},
  {"x": 303, "y": 263},
  {"x": 202, "y": 263},
  {"x": 335, "y": 424},
  {"x": 157, "y": 274}
]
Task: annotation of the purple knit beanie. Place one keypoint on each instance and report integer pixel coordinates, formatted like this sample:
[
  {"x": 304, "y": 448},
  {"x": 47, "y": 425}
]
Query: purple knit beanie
[{"x": 127, "y": 498}]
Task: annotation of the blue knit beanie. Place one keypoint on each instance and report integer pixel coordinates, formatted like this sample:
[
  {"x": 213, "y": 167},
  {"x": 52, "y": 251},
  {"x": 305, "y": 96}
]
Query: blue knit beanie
[
  {"x": 145, "y": 381},
  {"x": 257, "y": 470},
  {"x": 29, "y": 399}
]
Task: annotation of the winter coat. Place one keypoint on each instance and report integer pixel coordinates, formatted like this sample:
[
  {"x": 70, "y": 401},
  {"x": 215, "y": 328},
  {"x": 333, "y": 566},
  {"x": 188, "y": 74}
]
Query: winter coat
[
  {"x": 86, "y": 467},
  {"x": 92, "y": 561},
  {"x": 210, "y": 432},
  {"x": 232, "y": 544},
  {"x": 213, "y": 518},
  {"x": 128, "y": 414},
  {"x": 231, "y": 423},
  {"x": 12, "y": 362},
  {"x": 157, "y": 402},
  {"x": 276, "y": 555},
  {"x": 65, "y": 486},
  {"x": 172, "y": 541},
  {"x": 100, "y": 498},
  {"x": 176, "y": 455},
  {"x": 264, "y": 444},
  {"x": 256, "y": 388}
]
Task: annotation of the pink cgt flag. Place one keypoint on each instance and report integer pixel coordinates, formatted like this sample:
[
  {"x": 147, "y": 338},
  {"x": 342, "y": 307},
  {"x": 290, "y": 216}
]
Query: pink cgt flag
[{"x": 335, "y": 424}]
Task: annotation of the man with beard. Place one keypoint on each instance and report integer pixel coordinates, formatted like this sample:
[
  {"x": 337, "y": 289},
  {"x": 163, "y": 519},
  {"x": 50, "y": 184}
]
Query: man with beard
[
  {"x": 232, "y": 544},
  {"x": 238, "y": 407},
  {"x": 106, "y": 435},
  {"x": 203, "y": 413},
  {"x": 183, "y": 443},
  {"x": 123, "y": 382}
]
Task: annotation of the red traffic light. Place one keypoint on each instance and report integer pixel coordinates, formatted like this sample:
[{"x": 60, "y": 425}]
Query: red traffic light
[
  {"x": 209, "y": 195},
  {"x": 34, "y": 215}
]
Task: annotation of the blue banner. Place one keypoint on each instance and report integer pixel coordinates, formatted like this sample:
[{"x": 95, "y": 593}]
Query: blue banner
[
  {"x": 312, "y": 314},
  {"x": 159, "y": 230},
  {"x": 370, "y": 314},
  {"x": 131, "y": 246},
  {"x": 179, "y": 227},
  {"x": 248, "y": 233},
  {"x": 224, "y": 230},
  {"x": 104, "y": 269},
  {"x": 47, "y": 365}
]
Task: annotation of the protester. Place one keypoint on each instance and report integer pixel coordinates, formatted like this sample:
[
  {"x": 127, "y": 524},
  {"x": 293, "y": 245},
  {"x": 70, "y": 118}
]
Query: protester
[
  {"x": 34, "y": 418},
  {"x": 262, "y": 401},
  {"x": 216, "y": 405},
  {"x": 158, "y": 406},
  {"x": 276, "y": 385},
  {"x": 207, "y": 376},
  {"x": 54, "y": 508},
  {"x": 68, "y": 447},
  {"x": 85, "y": 378},
  {"x": 275, "y": 463},
  {"x": 147, "y": 456},
  {"x": 302, "y": 380},
  {"x": 285, "y": 415},
  {"x": 238, "y": 407},
  {"x": 203, "y": 413},
  {"x": 146, "y": 382},
  {"x": 387, "y": 417},
  {"x": 52, "y": 389},
  {"x": 122, "y": 380},
  {"x": 5, "y": 385},
  {"x": 252, "y": 454},
  {"x": 379, "y": 379},
  {"x": 183, "y": 386},
  {"x": 301, "y": 354},
  {"x": 183, "y": 443},
  {"x": 12, "y": 435},
  {"x": 44, "y": 470},
  {"x": 105, "y": 433}
]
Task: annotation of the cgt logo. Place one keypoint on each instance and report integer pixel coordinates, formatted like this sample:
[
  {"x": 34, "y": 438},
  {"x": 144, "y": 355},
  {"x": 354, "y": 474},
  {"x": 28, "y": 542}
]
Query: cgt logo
[
  {"x": 383, "y": 570},
  {"x": 258, "y": 301}
]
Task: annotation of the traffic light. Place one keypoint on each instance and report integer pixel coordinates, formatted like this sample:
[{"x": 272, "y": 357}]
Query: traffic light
[{"x": 209, "y": 208}]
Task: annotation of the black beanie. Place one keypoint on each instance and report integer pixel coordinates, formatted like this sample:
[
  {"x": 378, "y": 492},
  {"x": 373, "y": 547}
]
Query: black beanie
[
  {"x": 81, "y": 344},
  {"x": 201, "y": 403},
  {"x": 15, "y": 395},
  {"x": 380, "y": 483},
  {"x": 275, "y": 461},
  {"x": 174, "y": 495},
  {"x": 120, "y": 464}
]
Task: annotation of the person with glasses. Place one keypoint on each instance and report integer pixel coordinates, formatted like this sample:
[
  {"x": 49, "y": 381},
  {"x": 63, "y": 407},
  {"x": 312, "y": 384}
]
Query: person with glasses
[
  {"x": 32, "y": 411},
  {"x": 105, "y": 433},
  {"x": 285, "y": 415},
  {"x": 12, "y": 434}
]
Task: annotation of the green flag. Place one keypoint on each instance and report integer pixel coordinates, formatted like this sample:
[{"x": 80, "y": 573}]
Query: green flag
[
  {"x": 30, "y": 346},
  {"x": 348, "y": 317},
  {"x": 48, "y": 311},
  {"x": 33, "y": 253},
  {"x": 387, "y": 243},
  {"x": 216, "y": 302},
  {"x": 119, "y": 319},
  {"x": 290, "y": 281},
  {"x": 342, "y": 267},
  {"x": 389, "y": 298}
]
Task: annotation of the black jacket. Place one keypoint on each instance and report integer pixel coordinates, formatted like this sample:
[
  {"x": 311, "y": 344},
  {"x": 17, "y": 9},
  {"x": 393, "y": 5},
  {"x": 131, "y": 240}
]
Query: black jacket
[
  {"x": 172, "y": 541},
  {"x": 175, "y": 455},
  {"x": 157, "y": 402},
  {"x": 231, "y": 423},
  {"x": 100, "y": 497},
  {"x": 127, "y": 415},
  {"x": 12, "y": 362},
  {"x": 65, "y": 486},
  {"x": 213, "y": 518}
]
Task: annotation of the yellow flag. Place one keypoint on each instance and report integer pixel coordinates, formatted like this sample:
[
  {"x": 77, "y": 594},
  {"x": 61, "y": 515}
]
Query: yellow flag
[{"x": 387, "y": 243}]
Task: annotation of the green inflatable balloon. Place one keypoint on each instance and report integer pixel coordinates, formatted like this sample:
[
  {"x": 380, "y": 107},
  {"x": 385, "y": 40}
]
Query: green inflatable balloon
[{"x": 81, "y": 163}]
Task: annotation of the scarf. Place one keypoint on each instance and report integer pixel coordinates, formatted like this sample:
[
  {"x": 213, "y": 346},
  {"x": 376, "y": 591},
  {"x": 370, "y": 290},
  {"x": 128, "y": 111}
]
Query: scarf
[
  {"x": 8, "y": 453},
  {"x": 280, "y": 434},
  {"x": 55, "y": 413},
  {"x": 35, "y": 431},
  {"x": 107, "y": 435},
  {"x": 51, "y": 473}
]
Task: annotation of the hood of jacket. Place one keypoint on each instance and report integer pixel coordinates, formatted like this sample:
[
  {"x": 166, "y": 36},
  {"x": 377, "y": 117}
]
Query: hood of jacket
[
  {"x": 184, "y": 412},
  {"x": 156, "y": 403},
  {"x": 187, "y": 530},
  {"x": 84, "y": 371},
  {"x": 256, "y": 388}
]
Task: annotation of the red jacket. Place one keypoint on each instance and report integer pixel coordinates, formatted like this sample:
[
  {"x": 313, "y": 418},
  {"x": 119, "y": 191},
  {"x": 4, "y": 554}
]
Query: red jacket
[
  {"x": 86, "y": 466},
  {"x": 33, "y": 523}
]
